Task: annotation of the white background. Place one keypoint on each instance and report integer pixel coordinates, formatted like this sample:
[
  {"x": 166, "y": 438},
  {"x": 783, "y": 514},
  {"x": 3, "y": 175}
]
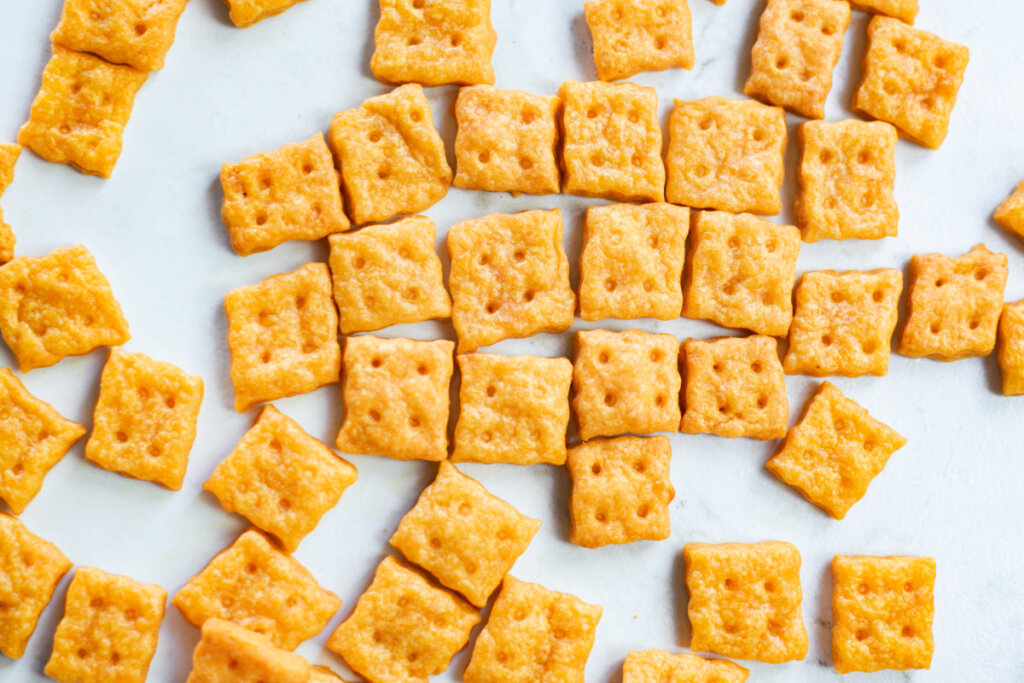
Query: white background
[{"x": 953, "y": 492}]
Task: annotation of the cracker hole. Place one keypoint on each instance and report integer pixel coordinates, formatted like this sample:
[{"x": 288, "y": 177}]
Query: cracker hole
[
  {"x": 909, "y": 587},
  {"x": 504, "y": 535},
  {"x": 82, "y": 653},
  {"x": 251, "y": 568},
  {"x": 383, "y": 172},
  {"x": 266, "y": 318},
  {"x": 825, "y": 156},
  {"x": 130, "y": 615},
  {"x": 275, "y": 445},
  {"x": 76, "y": 88},
  {"x": 95, "y": 16},
  {"x": 286, "y": 505},
  {"x": 758, "y": 135},
  {"x": 717, "y": 367},
  {"x": 863, "y": 589},
  {"x": 97, "y": 603},
  {"x": 491, "y": 391},
  {"x": 867, "y": 199},
  {"x": 170, "y": 402},
  {"x": 519, "y": 254},
  {"x": 908, "y": 631},
  {"x": 18, "y": 469},
  {"x": 723, "y": 408},
  {"x": 940, "y": 62},
  {"x": 652, "y": 242},
  {"x": 528, "y": 296},
  {"x": 633, "y": 116},
  {"x": 927, "y": 103},
  {"x": 376, "y": 362},
  {"x": 900, "y": 45},
  {"x": 975, "y": 323},
  {"x": 375, "y": 416},
  {"x": 806, "y": 75},
  {"x": 837, "y": 297},
  {"x": 414, "y": 422},
  {"x": 648, "y": 286},
  {"x": 826, "y": 340},
  {"x": 140, "y": 29},
  {"x": 980, "y": 274},
  {"x": 591, "y": 113},
  {"x": 862, "y": 634},
  {"x": 154, "y": 451},
  {"x": 525, "y": 164},
  {"x": 597, "y": 160},
  {"x": 423, "y": 369},
  {"x": 377, "y": 637},
  {"x": 762, "y": 402},
  {"x": 706, "y": 123},
  {"x": 596, "y": 468},
  {"x": 527, "y": 117},
  {"x": 643, "y": 512},
  {"x": 484, "y": 156},
  {"x": 375, "y": 136},
  {"x": 115, "y": 658},
  {"x": 456, "y": 40},
  {"x": 702, "y": 170},
  {"x": 868, "y": 347},
  {"x": 827, "y": 30},
  {"x": 756, "y": 367},
  {"x": 656, "y": 355},
  {"x": 637, "y": 160},
  {"x": 610, "y": 284},
  {"x": 660, "y": 43},
  {"x": 307, "y": 168},
  {"x": 483, "y": 260},
  {"x": 412, "y": 656},
  {"x": 609, "y": 400},
  {"x": 781, "y": 63},
  {"x": 769, "y": 586},
  {"x": 261, "y": 219},
  {"x": 935, "y": 328},
  {"x": 121, "y": 436},
  {"x": 265, "y": 358},
  {"x": 520, "y": 614},
  {"x": 877, "y": 295},
  {"x": 465, "y": 509},
  {"x": 864, "y": 156},
  {"x": 418, "y": 4},
  {"x": 492, "y": 308},
  {"x": 233, "y": 664},
  {"x": 603, "y": 357},
  {"x": 733, "y": 243},
  {"x": 659, "y": 400},
  {"x": 411, "y": 294},
  {"x": 64, "y": 129},
  {"x": 730, "y": 585},
  {"x": 639, "y": 466},
  {"x": 797, "y": 16},
  {"x": 600, "y": 517},
  {"x": 435, "y": 543}
]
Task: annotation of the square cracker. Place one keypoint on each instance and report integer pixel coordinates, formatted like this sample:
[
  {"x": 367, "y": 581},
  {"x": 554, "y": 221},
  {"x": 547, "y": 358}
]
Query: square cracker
[
  {"x": 9, "y": 154},
  {"x": 847, "y": 175},
  {"x": 533, "y": 634},
  {"x": 257, "y": 586},
  {"x": 620, "y": 491},
  {"x": 464, "y": 535},
  {"x": 109, "y": 630},
  {"x": 33, "y": 438},
  {"x": 292, "y": 193},
  {"x": 646, "y": 35},
  {"x": 283, "y": 336},
  {"x": 507, "y": 141},
  {"x": 78, "y": 116},
  {"x": 434, "y": 42},
  {"x": 509, "y": 277},
  {"x": 30, "y": 569},
  {"x": 882, "y": 610},
  {"x": 57, "y": 305},
  {"x": 514, "y": 409},
  {"x": 844, "y": 322},
  {"x": 625, "y": 382},
  {"x": 834, "y": 452},
  {"x": 388, "y": 274},
  {"x": 1011, "y": 348},
  {"x": 631, "y": 264},
  {"x": 726, "y": 154},
  {"x": 745, "y": 600},
  {"x": 647, "y": 666},
  {"x": 734, "y": 387},
  {"x": 229, "y": 653},
  {"x": 245, "y": 13},
  {"x": 742, "y": 270},
  {"x": 391, "y": 157},
  {"x": 1010, "y": 214},
  {"x": 134, "y": 32},
  {"x": 910, "y": 79},
  {"x": 611, "y": 144},
  {"x": 403, "y": 628},
  {"x": 954, "y": 304},
  {"x": 145, "y": 419},
  {"x": 904, "y": 10},
  {"x": 396, "y": 398},
  {"x": 281, "y": 478}
]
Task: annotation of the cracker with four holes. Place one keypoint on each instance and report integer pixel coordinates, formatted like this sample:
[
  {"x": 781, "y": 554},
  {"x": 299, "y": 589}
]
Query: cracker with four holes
[
  {"x": 1010, "y": 214},
  {"x": 910, "y": 79},
  {"x": 641, "y": 35},
  {"x": 434, "y": 42},
  {"x": 30, "y": 569},
  {"x": 620, "y": 491},
  {"x": 257, "y": 586},
  {"x": 652, "y": 666},
  {"x": 834, "y": 452},
  {"x": 533, "y": 634},
  {"x": 109, "y": 630},
  {"x": 465, "y": 536},
  {"x": 742, "y": 270},
  {"x": 735, "y": 387},
  {"x": 904, "y": 10},
  {"x": 80, "y": 112},
  {"x": 631, "y": 263},
  {"x": 388, "y": 274},
  {"x": 280, "y": 478},
  {"x": 1011, "y": 348},
  {"x": 391, "y": 157},
  {"x": 134, "y": 32},
  {"x": 292, "y": 193},
  {"x": 227, "y": 652},
  {"x": 882, "y": 610},
  {"x": 954, "y": 304},
  {"x": 57, "y": 305},
  {"x": 625, "y": 382},
  {"x": 283, "y": 336},
  {"x": 611, "y": 141},
  {"x": 844, "y": 322},
  {"x": 745, "y": 600},
  {"x": 403, "y": 628},
  {"x": 798, "y": 45},
  {"x": 515, "y": 409},
  {"x": 726, "y": 154},
  {"x": 847, "y": 174},
  {"x": 509, "y": 277},
  {"x": 245, "y": 13},
  {"x": 507, "y": 141},
  {"x": 396, "y": 398}
]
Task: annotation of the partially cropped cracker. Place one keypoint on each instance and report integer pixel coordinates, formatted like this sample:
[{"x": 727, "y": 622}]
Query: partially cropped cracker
[
  {"x": 904, "y": 10},
  {"x": 655, "y": 666},
  {"x": 882, "y": 611},
  {"x": 7, "y": 240},
  {"x": 631, "y": 264},
  {"x": 403, "y": 628},
  {"x": 322, "y": 674},
  {"x": 465, "y": 536},
  {"x": 245, "y": 13},
  {"x": 9, "y": 154},
  {"x": 1010, "y": 214},
  {"x": 257, "y": 586},
  {"x": 911, "y": 79},
  {"x": 533, "y": 634},
  {"x": 391, "y": 157},
  {"x": 1011, "y": 348},
  {"x": 834, "y": 452},
  {"x": 227, "y": 652},
  {"x": 645, "y": 35},
  {"x": 280, "y": 478}
]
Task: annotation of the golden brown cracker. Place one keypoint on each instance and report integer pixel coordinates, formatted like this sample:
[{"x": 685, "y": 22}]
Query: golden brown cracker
[
  {"x": 658, "y": 666},
  {"x": 1011, "y": 348},
  {"x": 904, "y": 10},
  {"x": 245, "y": 13},
  {"x": 228, "y": 653},
  {"x": 1010, "y": 214},
  {"x": 9, "y": 154},
  {"x": 646, "y": 35}
]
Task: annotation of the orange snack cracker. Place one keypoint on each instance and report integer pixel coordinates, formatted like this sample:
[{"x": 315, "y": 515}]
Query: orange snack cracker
[
  {"x": 533, "y": 634},
  {"x": 834, "y": 452},
  {"x": 611, "y": 144},
  {"x": 620, "y": 491},
  {"x": 646, "y": 35},
  {"x": 954, "y": 304},
  {"x": 509, "y": 277},
  {"x": 7, "y": 240},
  {"x": 1011, "y": 348},
  {"x": 904, "y": 10},
  {"x": 109, "y": 630},
  {"x": 396, "y": 398},
  {"x": 281, "y": 478},
  {"x": 910, "y": 79},
  {"x": 656, "y": 666},
  {"x": 465, "y": 536},
  {"x": 228, "y": 653},
  {"x": 9, "y": 154},
  {"x": 245, "y": 13},
  {"x": 745, "y": 600},
  {"x": 403, "y": 627},
  {"x": 391, "y": 157},
  {"x": 631, "y": 264},
  {"x": 882, "y": 610},
  {"x": 257, "y": 586},
  {"x": 515, "y": 409},
  {"x": 1010, "y": 214}
]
